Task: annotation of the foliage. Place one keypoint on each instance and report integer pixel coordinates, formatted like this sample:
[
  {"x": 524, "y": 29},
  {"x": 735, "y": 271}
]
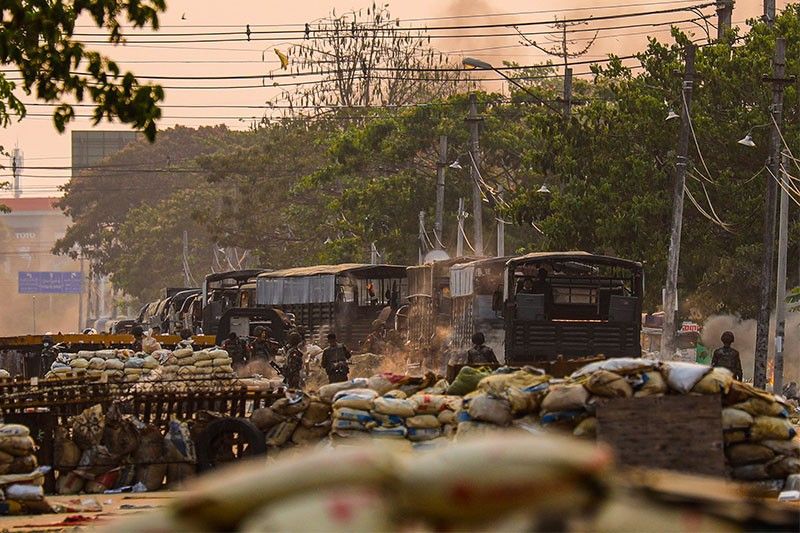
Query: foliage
[{"x": 37, "y": 38}]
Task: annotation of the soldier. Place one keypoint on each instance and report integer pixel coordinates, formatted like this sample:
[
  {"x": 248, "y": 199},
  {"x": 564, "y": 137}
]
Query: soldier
[
  {"x": 728, "y": 357},
  {"x": 335, "y": 360},
  {"x": 292, "y": 371},
  {"x": 480, "y": 354},
  {"x": 138, "y": 336},
  {"x": 263, "y": 347}
]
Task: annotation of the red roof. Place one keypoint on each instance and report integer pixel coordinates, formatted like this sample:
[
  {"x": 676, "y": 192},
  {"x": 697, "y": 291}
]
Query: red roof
[{"x": 30, "y": 204}]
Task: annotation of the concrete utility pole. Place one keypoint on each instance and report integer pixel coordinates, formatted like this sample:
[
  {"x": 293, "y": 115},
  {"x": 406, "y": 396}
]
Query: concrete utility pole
[
  {"x": 501, "y": 229},
  {"x": 769, "y": 12},
  {"x": 80, "y": 297},
  {"x": 437, "y": 225},
  {"x": 567, "y": 92},
  {"x": 724, "y": 14},
  {"x": 780, "y": 295},
  {"x": 474, "y": 149},
  {"x": 770, "y": 207},
  {"x": 460, "y": 238},
  {"x": 422, "y": 244},
  {"x": 673, "y": 261}
]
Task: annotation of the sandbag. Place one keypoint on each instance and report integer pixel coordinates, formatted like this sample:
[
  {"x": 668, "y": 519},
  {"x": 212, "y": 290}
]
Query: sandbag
[
  {"x": 394, "y": 406},
  {"x": 383, "y": 383},
  {"x": 498, "y": 384},
  {"x": 114, "y": 364},
  {"x": 423, "y": 422},
  {"x": 97, "y": 363},
  {"x": 120, "y": 434},
  {"x": 735, "y": 419},
  {"x": 24, "y": 464},
  {"x": 387, "y": 420},
  {"x": 345, "y": 510},
  {"x": 14, "y": 430},
  {"x": 478, "y": 480},
  {"x": 565, "y": 398},
  {"x": 279, "y": 435},
  {"x": 151, "y": 476},
  {"x": 608, "y": 385},
  {"x": 484, "y": 408},
  {"x": 735, "y": 436},
  {"x": 356, "y": 415},
  {"x": 24, "y": 493},
  {"x": 619, "y": 365},
  {"x": 762, "y": 407},
  {"x": 423, "y": 434},
  {"x": 222, "y": 499},
  {"x": 79, "y": 363},
  {"x": 755, "y": 472},
  {"x": 784, "y": 447},
  {"x": 467, "y": 380},
  {"x": 783, "y": 466},
  {"x": 180, "y": 437},
  {"x": 341, "y": 424},
  {"x": 327, "y": 392},
  {"x": 151, "y": 446},
  {"x": 747, "y": 453},
  {"x": 587, "y": 428},
  {"x": 69, "y": 483},
  {"x": 87, "y": 427},
  {"x": 291, "y": 404},
  {"x": 717, "y": 381},
  {"x": 17, "y": 446},
  {"x": 179, "y": 466},
  {"x": 309, "y": 435},
  {"x": 682, "y": 376},
  {"x": 431, "y": 404},
  {"x": 524, "y": 401},
  {"x": 94, "y": 461},
  {"x": 447, "y": 417},
  {"x": 355, "y": 399},
  {"x": 771, "y": 428},
  {"x": 316, "y": 413},
  {"x": 66, "y": 453},
  {"x": 265, "y": 418},
  {"x": 398, "y": 432},
  {"x": 150, "y": 362},
  {"x": 741, "y": 392}
]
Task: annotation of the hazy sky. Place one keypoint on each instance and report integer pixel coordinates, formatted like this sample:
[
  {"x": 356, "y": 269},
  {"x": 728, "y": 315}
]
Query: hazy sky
[{"x": 43, "y": 146}]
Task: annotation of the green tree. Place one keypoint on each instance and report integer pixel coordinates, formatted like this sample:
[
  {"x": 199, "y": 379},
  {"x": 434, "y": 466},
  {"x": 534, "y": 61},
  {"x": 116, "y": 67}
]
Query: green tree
[{"x": 37, "y": 39}]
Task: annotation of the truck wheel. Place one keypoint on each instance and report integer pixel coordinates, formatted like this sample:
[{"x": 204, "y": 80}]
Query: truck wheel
[{"x": 227, "y": 440}]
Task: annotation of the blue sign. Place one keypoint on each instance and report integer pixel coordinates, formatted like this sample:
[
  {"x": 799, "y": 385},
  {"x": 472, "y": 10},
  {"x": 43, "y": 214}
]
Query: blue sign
[{"x": 50, "y": 282}]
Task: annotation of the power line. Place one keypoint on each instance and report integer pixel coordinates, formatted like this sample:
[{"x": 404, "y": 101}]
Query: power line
[{"x": 390, "y": 31}]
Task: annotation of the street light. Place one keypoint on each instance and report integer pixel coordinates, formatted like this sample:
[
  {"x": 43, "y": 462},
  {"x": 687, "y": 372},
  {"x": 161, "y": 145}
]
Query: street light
[
  {"x": 671, "y": 115},
  {"x": 456, "y": 165},
  {"x": 543, "y": 190},
  {"x": 747, "y": 140},
  {"x": 471, "y": 62}
]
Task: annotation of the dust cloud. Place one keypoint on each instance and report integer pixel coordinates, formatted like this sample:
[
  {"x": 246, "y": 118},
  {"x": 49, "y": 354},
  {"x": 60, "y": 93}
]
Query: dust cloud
[{"x": 745, "y": 333}]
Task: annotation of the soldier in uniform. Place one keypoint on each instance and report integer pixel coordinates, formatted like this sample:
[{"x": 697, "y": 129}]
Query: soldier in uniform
[
  {"x": 292, "y": 371},
  {"x": 335, "y": 360},
  {"x": 728, "y": 357},
  {"x": 480, "y": 354}
]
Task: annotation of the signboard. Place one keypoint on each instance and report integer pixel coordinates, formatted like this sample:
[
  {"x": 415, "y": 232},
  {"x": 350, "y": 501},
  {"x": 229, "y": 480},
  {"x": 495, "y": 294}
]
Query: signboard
[
  {"x": 690, "y": 327},
  {"x": 50, "y": 282}
]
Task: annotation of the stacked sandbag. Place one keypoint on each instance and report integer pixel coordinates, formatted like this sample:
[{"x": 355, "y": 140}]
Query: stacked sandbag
[
  {"x": 221, "y": 364},
  {"x": 282, "y": 418},
  {"x": 351, "y": 413},
  {"x": 21, "y": 479},
  {"x": 389, "y": 414}
]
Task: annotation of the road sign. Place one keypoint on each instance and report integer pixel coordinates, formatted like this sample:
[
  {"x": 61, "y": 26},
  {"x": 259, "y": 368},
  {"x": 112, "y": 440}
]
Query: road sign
[{"x": 50, "y": 282}]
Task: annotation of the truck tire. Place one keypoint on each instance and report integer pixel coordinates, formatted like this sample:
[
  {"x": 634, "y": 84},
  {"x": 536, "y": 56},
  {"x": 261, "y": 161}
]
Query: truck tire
[{"x": 226, "y": 440}]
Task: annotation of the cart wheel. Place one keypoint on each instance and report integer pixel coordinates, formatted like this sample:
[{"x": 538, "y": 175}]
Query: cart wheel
[{"x": 227, "y": 440}]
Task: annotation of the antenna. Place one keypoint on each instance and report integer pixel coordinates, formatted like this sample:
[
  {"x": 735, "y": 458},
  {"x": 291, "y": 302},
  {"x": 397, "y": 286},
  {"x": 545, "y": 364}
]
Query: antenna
[{"x": 17, "y": 162}]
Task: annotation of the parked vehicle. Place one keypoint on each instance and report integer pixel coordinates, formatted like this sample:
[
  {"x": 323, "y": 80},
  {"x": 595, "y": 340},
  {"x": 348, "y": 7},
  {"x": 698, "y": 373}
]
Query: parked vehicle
[
  {"x": 345, "y": 298},
  {"x": 222, "y": 291},
  {"x": 573, "y": 305}
]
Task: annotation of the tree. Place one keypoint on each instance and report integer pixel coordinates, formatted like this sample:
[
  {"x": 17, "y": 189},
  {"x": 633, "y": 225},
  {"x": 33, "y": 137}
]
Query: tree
[
  {"x": 365, "y": 59},
  {"x": 99, "y": 199},
  {"x": 37, "y": 38}
]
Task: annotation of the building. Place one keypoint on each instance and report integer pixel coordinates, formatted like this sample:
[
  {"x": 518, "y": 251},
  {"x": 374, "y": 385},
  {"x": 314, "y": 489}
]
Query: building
[
  {"x": 89, "y": 147},
  {"x": 27, "y": 234}
]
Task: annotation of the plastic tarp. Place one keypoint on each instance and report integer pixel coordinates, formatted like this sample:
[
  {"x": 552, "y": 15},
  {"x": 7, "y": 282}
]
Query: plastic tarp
[
  {"x": 296, "y": 290},
  {"x": 461, "y": 281}
]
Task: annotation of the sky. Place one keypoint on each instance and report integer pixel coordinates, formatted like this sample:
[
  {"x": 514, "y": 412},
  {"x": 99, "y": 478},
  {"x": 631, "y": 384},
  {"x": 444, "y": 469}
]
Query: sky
[{"x": 43, "y": 146}]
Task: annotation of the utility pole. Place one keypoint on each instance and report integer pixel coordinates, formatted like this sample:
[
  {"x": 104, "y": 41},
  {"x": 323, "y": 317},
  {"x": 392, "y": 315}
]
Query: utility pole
[
  {"x": 474, "y": 149},
  {"x": 460, "y": 239},
  {"x": 567, "y": 92},
  {"x": 770, "y": 207},
  {"x": 80, "y": 298},
  {"x": 186, "y": 278},
  {"x": 780, "y": 295},
  {"x": 422, "y": 244},
  {"x": 673, "y": 261},
  {"x": 501, "y": 228},
  {"x": 437, "y": 225},
  {"x": 724, "y": 14},
  {"x": 769, "y": 12}
]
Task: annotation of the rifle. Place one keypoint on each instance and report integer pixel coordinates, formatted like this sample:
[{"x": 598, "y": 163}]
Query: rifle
[{"x": 277, "y": 368}]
